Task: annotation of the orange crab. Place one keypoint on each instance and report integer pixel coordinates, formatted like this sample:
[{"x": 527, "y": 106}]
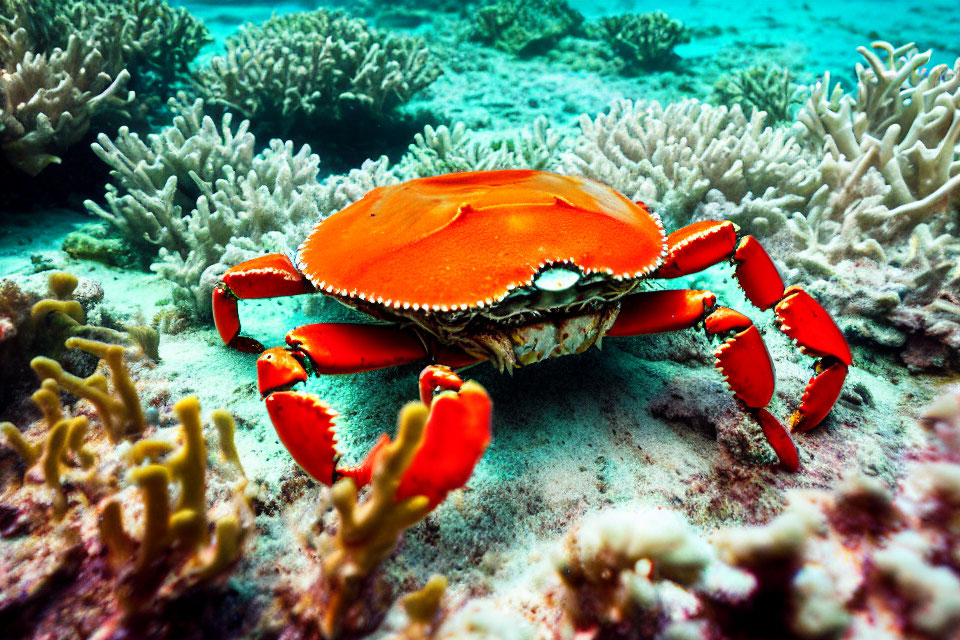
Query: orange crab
[{"x": 514, "y": 267}]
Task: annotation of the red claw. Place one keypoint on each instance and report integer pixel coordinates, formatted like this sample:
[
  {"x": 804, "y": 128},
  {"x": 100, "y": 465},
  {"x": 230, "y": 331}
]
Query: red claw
[
  {"x": 803, "y": 319},
  {"x": 363, "y": 472},
  {"x": 779, "y": 438},
  {"x": 437, "y": 375},
  {"x": 819, "y": 397},
  {"x": 304, "y": 424},
  {"x": 454, "y": 439}
]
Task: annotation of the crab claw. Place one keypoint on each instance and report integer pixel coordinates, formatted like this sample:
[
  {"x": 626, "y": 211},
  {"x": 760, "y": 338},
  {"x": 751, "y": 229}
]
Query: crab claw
[
  {"x": 819, "y": 397},
  {"x": 743, "y": 359},
  {"x": 363, "y": 472},
  {"x": 304, "y": 424},
  {"x": 803, "y": 319},
  {"x": 434, "y": 376},
  {"x": 779, "y": 438},
  {"x": 454, "y": 439}
]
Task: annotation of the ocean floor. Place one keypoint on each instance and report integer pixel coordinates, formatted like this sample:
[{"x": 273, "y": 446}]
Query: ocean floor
[{"x": 643, "y": 422}]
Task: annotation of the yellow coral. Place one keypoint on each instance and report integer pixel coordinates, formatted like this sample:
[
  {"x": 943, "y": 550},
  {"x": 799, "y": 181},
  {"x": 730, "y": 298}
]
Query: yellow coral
[
  {"x": 370, "y": 532},
  {"x": 119, "y": 411}
]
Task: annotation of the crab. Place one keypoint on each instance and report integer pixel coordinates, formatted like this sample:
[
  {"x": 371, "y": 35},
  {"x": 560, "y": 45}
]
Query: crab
[{"x": 514, "y": 267}]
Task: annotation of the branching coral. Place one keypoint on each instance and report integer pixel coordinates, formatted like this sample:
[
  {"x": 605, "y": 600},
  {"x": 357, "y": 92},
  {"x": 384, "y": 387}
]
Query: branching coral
[
  {"x": 307, "y": 70},
  {"x": 522, "y": 27},
  {"x": 643, "y": 41},
  {"x": 884, "y": 223},
  {"x": 200, "y": 199},
  {"x": 906, "y": 121},
  {"x": 766, "y": 87},
  {"x": 154, "y": 41},
  {"x": 670, "y": 157},
  {"x": 158, "y": 550},
  {"x": 48, "y": 99},
  {"x": 448, "y": 149}
]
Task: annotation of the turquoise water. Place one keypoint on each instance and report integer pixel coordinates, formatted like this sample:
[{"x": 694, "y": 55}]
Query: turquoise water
[{"x": 201, "y": 135}]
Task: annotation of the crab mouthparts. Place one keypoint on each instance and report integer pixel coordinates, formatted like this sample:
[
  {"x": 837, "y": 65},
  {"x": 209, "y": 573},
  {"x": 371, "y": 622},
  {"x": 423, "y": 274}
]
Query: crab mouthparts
[{"x": 556, "y": 279}]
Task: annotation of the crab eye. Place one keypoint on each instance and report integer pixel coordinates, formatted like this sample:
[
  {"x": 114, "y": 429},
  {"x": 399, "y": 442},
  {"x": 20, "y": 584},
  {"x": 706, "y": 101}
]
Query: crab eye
[{"x": 557, "y": 279}]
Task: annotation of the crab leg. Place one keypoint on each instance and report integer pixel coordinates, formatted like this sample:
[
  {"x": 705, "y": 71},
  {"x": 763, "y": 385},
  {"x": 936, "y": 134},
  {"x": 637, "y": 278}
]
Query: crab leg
[
  {"x": 742, "y": 358},
  {"x": 269, "y": 276},
  {"x": 700, "y": 245}
]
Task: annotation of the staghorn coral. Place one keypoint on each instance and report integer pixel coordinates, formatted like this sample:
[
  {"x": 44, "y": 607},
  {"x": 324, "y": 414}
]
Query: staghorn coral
[
  {"x": 644, "y": 41},
  {"x": 907, "y": 122},
  {"x": 524, "y": 28},
  {"x": 48, "y": 99},
  {"x": 766, "y": 87},
  {"x": 670, "y": 157},
  {"x": 199, "y": 199},
  {"x": 115, "y": 537},
  {"x": 307, "y": 71}
]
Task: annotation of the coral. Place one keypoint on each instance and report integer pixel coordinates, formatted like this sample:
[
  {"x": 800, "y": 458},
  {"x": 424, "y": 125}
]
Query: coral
[
  {"x": 48, "y": 99},
  {"x": 765, "y": 87},
  {"x": 104, "y": 498},
  {"x": 32, "y": 326},
  {"x": 154, "y": 41},
  {"x": 318, "y": 70},
  {"x": 524, "y": 28},
  {"x": 885, "y": 214},
  {"x": 670, "y": 157},
  {"x": 644, "y": 41},
  {"x": 903, "y": 121},
  {"x": 198, "y": 199},
  {"x": 449, "y": 149},
  {"x": 434, "y": 452},
  {"x": 94, "y": 242},
  {"x": 860, "y": 561}
]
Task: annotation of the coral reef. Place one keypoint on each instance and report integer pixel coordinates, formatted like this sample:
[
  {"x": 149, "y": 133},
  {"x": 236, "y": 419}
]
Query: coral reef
[
  {"x": 644, "y": 41},
  {"x": 65, "y": 64},
  {"x": 861, "y": 561},
  {"x": 115, "y": 535},
  {"x": 153, "y": 41},
  {"x": 48, "y": 99},
  {"x": 765, "y": 87},
  {"x": 883, "y": 225},
  {"x": 524, "y": 28},
  {"x": 200, "y": 199},
  {"x": 671, "y": 157},
  {"x": 304, "y": 72}
]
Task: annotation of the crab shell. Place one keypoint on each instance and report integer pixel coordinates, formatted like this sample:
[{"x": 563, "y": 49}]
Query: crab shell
[
  {"x": 466, "y": 240},
  {"x": 443, "y": 251}
]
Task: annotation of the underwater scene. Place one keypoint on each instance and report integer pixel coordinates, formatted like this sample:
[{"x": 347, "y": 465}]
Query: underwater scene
[{"x": 480, "y": 319}]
